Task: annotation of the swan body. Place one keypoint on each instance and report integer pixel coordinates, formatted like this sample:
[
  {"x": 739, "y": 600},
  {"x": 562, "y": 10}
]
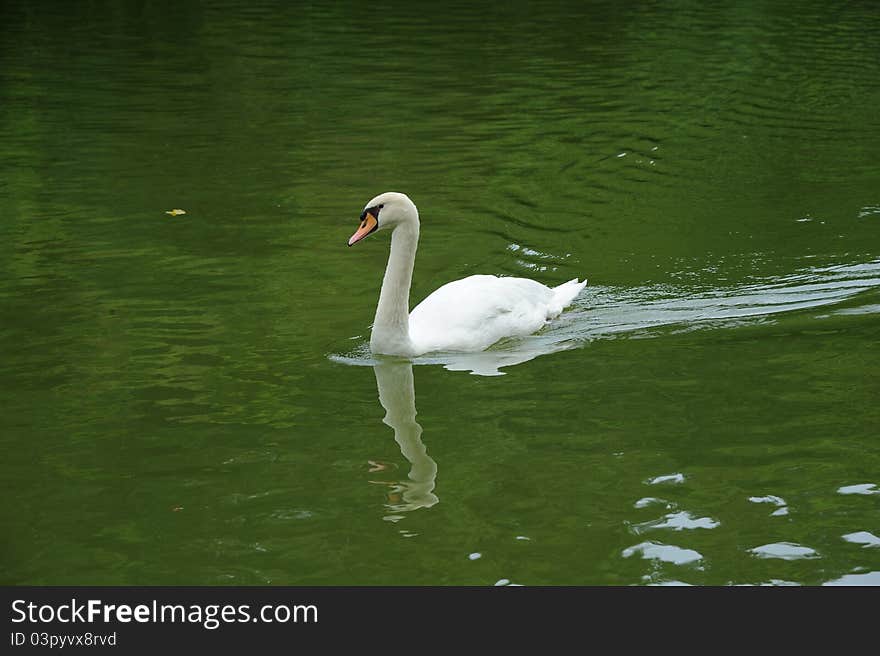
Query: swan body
[{"x": 469, "y": 314}]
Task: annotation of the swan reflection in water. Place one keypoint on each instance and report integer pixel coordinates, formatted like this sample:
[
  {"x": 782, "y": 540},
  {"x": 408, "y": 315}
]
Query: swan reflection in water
[{"x": 394, "y": 380}]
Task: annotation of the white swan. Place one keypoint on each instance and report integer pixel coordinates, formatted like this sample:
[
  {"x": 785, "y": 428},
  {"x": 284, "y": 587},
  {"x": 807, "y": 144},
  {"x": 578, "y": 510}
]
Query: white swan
[{"x": 469, "y": 314}]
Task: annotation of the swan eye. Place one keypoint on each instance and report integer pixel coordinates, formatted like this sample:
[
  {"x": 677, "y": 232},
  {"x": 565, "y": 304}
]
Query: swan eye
[{"x": 372, "y": 211}]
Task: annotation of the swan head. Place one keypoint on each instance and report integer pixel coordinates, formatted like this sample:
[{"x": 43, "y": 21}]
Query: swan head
[{"x": 385, "y": 211}]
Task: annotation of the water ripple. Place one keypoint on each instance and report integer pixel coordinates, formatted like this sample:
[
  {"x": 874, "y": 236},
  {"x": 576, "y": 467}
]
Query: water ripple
[
  {"x": 865, "y": 578},
  {"x": 861, "y": 488},
  {"x": 666, "y": 553},
  {"x": 667, "y": 478},
  {"x": 779, "y": 502},
  {"x": 863, "y": 538},
  {"x": 644, "y": 502},
  {"x": 784, "y": 551},
  {"x": 677, "y": 521}
]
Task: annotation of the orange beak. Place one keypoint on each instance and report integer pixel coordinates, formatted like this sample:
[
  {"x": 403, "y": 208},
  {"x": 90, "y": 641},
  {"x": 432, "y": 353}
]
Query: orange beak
[{"x": 369, "y": 223}]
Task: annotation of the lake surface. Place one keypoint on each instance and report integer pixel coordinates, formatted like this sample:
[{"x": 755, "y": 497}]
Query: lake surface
[{"x": 190, "y": 399}]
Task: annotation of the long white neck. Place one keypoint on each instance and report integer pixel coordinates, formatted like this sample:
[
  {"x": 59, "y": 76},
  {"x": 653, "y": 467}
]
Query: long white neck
[{"x": 391, "y": 327}]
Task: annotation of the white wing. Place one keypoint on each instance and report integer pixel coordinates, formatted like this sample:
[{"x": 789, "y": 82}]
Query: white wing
[{"x": 473, "y": 313}]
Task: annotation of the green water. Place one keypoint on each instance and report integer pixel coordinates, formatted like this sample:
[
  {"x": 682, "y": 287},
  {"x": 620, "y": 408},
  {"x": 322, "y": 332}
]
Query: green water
[{"x": 190, "y": 399}]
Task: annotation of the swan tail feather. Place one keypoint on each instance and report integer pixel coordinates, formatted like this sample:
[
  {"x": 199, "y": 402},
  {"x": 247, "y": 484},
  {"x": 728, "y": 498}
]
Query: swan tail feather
[{"x": 564, "y": 294}]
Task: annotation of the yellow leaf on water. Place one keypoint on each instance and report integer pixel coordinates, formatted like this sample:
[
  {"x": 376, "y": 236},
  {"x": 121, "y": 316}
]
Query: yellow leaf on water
[{"x": 175, "y": 212}]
